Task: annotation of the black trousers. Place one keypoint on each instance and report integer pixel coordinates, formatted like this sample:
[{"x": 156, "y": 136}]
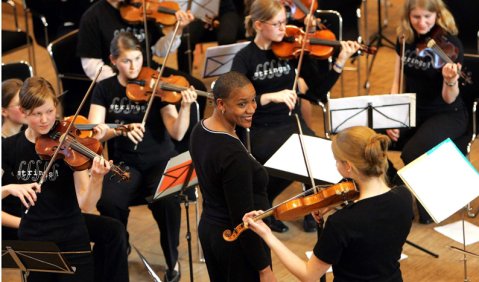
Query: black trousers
[
  {"x": 109, "y": 252},
  {"x": 225, "y": 261},
  {"x": 117, "y": 197},
  {"x": 228, "y": 32}
]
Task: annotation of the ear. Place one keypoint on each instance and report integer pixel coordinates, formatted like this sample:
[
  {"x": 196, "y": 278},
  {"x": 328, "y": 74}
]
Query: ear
[
  {"x": 4, "y": 112},
  {"x": 257, "y": 25},
  {"x": 112, "y": 60},
  {"x": 220, "y": 104}
]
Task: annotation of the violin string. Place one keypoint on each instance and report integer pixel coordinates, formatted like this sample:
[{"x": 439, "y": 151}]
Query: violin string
[
  {"x": 441, "y": 53},
  {"x": 89, "y": 153}
]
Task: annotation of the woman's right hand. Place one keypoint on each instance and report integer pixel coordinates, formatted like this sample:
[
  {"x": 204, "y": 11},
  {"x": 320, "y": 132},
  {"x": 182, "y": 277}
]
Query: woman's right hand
[
  {"x": 27, "y": 193},
  {"x": 135, "y": 132},
  {"x": 393, "y": 134},
  {"x": 286, "y": 96},
  {"x": 258, "y": 226}
]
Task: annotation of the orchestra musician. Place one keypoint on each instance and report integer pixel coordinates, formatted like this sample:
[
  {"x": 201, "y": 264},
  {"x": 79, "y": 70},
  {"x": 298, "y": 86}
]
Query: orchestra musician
[
  {"x": 231, "y": 182},
  {"x": 273, "y": 79},
  {"x": 440, "y": 110},
  {"x": 55, "y": 215},
  {"x": 355, "y": 251},
  {"x": 110, "y": 104},
  {"x": 102, "y": 21}
]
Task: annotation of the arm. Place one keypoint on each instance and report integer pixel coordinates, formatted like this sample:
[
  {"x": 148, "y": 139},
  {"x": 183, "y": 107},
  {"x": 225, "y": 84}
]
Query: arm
[
  {"x": 91, "y": 66},
  {"x": 27, "y": 193},
  {"x": 88, "y": 188},
  {"x": 161, "y": 46},
  {"x": 102, "y": 132},
  {"x": 177, "y": 123},
  {"x": 9, "y": 220},
  {"x": 311, "y": 270}
]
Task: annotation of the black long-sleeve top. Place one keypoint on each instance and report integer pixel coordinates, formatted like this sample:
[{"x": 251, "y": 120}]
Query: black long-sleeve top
[{"x": 232, "y": 183}]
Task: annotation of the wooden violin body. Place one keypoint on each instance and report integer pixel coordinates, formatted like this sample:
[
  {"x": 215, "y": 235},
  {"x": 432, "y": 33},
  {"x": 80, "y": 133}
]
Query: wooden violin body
[
  {"x": 77, "y": 152},
  {"x": 85, "y": 128},
  {"x": 319, "y": 44},
  {"x": 160, "y": 12},
  {"x": 141, "y": 88},
  {"x": 441, "y": 50},
  {"x": 301, "y": 206}
]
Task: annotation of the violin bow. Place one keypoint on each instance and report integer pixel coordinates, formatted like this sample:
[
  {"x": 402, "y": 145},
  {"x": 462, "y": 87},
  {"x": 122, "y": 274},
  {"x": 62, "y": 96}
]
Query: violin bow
[
  {"x": 160, "y": 74},
  {"x": 147, "y": 40},
  {"x": 303, "y": 45},
  {"x": 303, "y": 150},
  {"x": 401, "y": 71},
  {"x": 63, "y": 137}
]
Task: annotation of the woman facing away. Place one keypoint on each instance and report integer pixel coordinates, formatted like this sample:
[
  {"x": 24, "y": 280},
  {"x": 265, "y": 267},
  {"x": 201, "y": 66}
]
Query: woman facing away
[{"x": 348, "y": 243}]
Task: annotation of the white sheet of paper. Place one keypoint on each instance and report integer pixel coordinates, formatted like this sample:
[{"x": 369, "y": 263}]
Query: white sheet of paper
[
  {"x": 202, "y": 9},
  {"x": 330, "y": 269},
  {"x": 219, "y": 59},
  {"x": 290, "y": 158},
  {"x": 454, "y": 231},
  {"x": 442, "y": 179},
  {"x": 391, "y": 111}
]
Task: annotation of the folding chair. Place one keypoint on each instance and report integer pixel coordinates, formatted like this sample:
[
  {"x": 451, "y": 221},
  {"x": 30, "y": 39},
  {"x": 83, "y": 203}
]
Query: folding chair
[{"x": 21, "y": 70}]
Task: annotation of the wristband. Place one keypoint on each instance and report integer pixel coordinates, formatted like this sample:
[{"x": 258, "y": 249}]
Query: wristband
[
  {"x": 115, "y": 132},
  {"x": 450, "y": 84},
  {"x": 339, "y": 67}
]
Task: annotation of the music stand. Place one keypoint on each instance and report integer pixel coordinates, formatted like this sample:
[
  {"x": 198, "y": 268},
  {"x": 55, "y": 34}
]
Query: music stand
[
  {"x": 179, "y": 176},
  {"x": 219, "y": 59},
  {"x": 375, "y": 111},
  {"x": 288, "y": 161},
  {"x": 430, "y": 178},
  {"x": 31, "y": 256},
  {"x": 147, "y": 265}
]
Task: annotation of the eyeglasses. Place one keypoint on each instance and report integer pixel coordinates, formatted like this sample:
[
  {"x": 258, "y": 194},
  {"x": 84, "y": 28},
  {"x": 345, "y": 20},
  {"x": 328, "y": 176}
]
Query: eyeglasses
[{"x": 277, "y": 24}]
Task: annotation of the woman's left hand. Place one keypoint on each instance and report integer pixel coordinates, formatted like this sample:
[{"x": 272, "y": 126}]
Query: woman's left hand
[
  {"x": 348, "y": 48},
  {"x": 188, "y": 96},
  {"x": 258, "y": 226},
  {"x": 100, "y": 167},
  {"x": 185, "y": 18},
  {"x": 450, "y": 72}
]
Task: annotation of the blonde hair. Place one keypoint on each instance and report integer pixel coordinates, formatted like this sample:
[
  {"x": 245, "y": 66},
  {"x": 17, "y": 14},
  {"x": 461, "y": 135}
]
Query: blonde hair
[
  {"x": 365, "y": 149},
  {"x": 444, "y": 18},
  {"x": 260, "y": 10},
  {"x": 35, "y": 92}
]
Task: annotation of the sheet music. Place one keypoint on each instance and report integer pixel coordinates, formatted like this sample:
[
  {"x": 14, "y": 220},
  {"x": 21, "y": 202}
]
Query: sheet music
[
  {"x": 219, "y": 59},
  {"x": 442, "y": 179},
  {"x": 390, "y": 111},
  {"x": 289, "y": 158},
  {"x": 205, "y": 10},
  {"x": 175, "y": 174}
]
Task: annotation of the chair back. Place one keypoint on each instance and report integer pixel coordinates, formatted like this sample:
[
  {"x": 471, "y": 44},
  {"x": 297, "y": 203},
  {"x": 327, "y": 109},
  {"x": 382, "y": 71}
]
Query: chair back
[
  {"x": 348, "y": 9},
  {"x": 465, "y": 15},
  {"x": 469, "y": 94},
  {"x": 21, "y": 70},
  {"x": 72, "y": 81}
]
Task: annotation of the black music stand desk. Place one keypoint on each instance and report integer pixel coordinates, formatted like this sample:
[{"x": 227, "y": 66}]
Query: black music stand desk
[{"x": 30, "y": 256}]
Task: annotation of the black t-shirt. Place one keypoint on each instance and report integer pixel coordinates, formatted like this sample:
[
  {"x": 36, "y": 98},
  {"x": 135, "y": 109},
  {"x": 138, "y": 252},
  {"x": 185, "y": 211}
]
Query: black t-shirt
[
  {"x": 56, "y": 211},
  {"x": 268, "y": 74},
  {"x": 364, "y": 240},
  {"x": 101, "y": 23},
  {"x": 422, "y": 78},
  {"x": 156, "y": 145},
  {"x": 232, "y": 183}
]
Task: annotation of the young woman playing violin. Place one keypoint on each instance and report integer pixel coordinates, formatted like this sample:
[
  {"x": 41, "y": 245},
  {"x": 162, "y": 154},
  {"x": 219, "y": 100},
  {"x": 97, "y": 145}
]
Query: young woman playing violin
[
  {"x": 356, "y": 251},
  {"x": 103, "y": 20},
  {"x": 107, "y": 234},
  {"x": 155, "y": 147},
  {"x": 440, "y": 111},
  {"x": 55, "y": 215},
  {"x": 273, "y": 79},
  {"x": 231, "y": 182}
]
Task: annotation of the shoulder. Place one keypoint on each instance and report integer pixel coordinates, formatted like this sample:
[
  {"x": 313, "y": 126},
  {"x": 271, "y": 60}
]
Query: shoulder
[{"x": 402, "y": 193}]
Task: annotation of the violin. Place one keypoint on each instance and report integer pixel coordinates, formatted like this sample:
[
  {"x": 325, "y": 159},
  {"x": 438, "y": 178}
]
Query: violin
[
  {"x": 86, "y": 128},
  {"x": 301, "y": 205},
  {"x": 141, "y": 88},
  {"x": 160, "y": 12},
  {"x": 319, "y": 44},
  {"x": 77, "y": 152},
  {"x": 441, "y": 50},
  {"x": 302, "y": 8}
]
